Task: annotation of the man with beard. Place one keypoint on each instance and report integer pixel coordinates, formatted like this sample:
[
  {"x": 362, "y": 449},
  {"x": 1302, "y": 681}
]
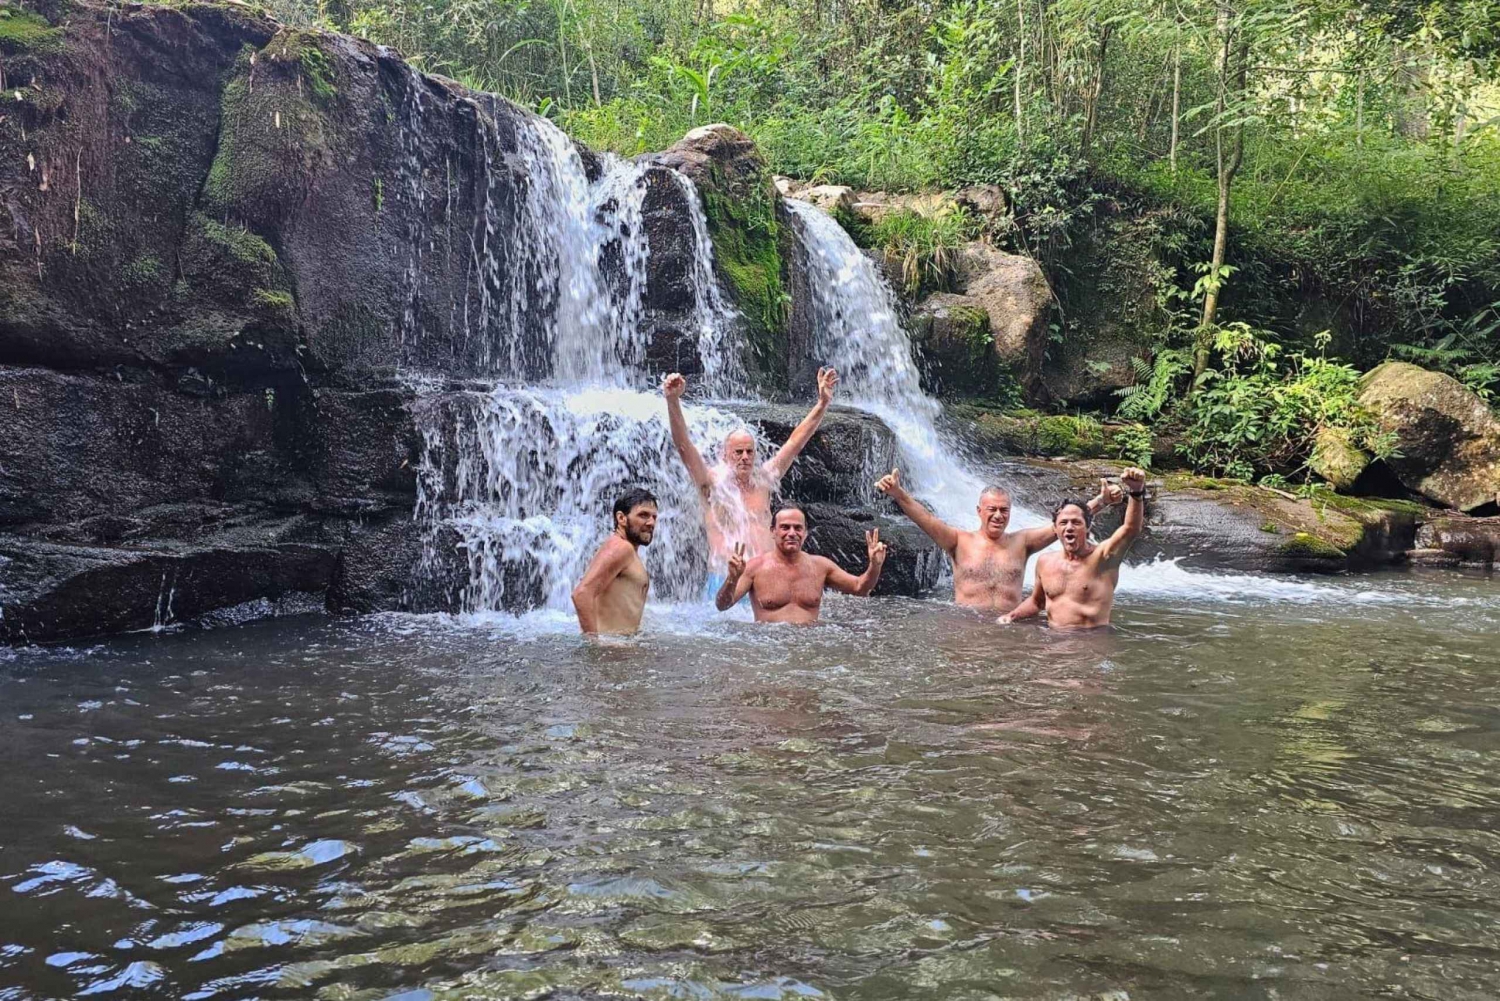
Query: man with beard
[
  {"x": 786, "y": 584},
  {"x": 612, "y": 593},
  {"x": 988, "y": 564},
  {"x": 737, "y": 491},
  {"x": 1076, "y": 585}
]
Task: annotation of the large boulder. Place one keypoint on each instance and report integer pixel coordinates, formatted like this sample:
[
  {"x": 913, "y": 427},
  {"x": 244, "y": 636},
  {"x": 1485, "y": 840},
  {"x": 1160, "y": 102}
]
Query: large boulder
[
  {"x": 952, "y": 333},
  {"x": 1110, "y": 312},
  {"x": 1337, "y": 459},
  {"x": 1015, "y": 295},
  {"x": 748, "y": 226},
  {"x": 1447, "y": 438}
]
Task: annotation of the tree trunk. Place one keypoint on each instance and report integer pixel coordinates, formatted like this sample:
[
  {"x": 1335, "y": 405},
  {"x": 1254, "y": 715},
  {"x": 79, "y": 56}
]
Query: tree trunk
[
  {"x": 1176, "y": 103},
  {"x": 1020, "y": 73},
  {"x": 1095, "y": 91},
  {"x": 1227, "y": 167}
]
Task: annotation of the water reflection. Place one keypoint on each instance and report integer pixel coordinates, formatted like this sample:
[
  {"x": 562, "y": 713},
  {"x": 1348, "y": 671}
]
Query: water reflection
[{"x": 1218, "y": 798}]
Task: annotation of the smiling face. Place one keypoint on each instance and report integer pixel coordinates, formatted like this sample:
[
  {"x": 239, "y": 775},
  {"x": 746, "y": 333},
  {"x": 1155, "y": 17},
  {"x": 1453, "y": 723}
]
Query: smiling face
[
  {"x": 1072, "y": 528},
  {"x": 790, "y": 530},
  {"x": 739, "y": 454},
  {"x": 994, "y": 513},
  {"x": 639, "y": 525}
]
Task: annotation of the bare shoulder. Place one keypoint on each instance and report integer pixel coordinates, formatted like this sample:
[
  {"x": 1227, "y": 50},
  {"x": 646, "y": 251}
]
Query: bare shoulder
[
  {"x": 824, "y": 564},
  {"x": 1047, "y": 561}
]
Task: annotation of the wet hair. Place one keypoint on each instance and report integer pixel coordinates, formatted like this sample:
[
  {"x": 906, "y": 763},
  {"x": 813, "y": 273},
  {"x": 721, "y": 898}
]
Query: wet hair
[
  {"x": 1088, "y": 517},
  {"x": 788, "y": 507},
  {"x": 632, "y": 499},
  {"x": 990, "y": 488}
]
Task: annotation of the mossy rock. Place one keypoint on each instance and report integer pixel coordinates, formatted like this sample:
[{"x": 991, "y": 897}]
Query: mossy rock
[{"x": 25, "y": 32}]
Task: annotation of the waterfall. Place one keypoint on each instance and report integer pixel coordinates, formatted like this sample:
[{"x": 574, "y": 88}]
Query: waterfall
[
  {"x": 519, "y": 480},
  {"x": 858, "y": 332}
]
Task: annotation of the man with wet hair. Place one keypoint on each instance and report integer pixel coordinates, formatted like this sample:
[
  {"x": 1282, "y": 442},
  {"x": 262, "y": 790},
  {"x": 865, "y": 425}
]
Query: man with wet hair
[
  {"x": 1076, "y": 585},
  {"x": 737, "y": 491},
  {"x": 988, "y": 564},
  {"x": 612, "y": 593},
  {"x": 786, "y": 584}
]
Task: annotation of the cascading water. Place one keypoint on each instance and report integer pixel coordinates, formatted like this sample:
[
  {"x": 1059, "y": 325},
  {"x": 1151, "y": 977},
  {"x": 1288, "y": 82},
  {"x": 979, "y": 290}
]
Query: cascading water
[
  {"x": 521, "y": 479},
  {"x": 857, "y": 332}
]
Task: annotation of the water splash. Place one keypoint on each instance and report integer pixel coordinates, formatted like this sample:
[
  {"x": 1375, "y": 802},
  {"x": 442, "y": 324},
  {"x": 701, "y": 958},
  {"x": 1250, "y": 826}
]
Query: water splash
[{"x": 525, "y": 480}]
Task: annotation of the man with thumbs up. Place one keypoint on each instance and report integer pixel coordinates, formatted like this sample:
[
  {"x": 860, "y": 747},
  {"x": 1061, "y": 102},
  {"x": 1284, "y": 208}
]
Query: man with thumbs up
[
  {"x": 989, "y": 564},
  {"x": 786, "y": 584}
]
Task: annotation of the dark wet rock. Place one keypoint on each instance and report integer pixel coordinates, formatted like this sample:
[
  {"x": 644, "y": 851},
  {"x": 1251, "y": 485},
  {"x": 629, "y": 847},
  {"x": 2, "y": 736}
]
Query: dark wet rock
[
  {"x": 1447, "y": 438},
  {"x": 668, "y": 303},
  {"x": 913, "y": 564},
  {"x": 1218, "y": 524},
  {"x": 752, "y": 242},
  {"x": 1459, "y": 540},
  {"x": 59, "y": 591}
]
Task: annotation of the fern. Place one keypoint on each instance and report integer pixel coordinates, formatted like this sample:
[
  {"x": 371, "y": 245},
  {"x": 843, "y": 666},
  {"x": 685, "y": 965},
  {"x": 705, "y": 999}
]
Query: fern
[{"x": 1155, "y": 386}]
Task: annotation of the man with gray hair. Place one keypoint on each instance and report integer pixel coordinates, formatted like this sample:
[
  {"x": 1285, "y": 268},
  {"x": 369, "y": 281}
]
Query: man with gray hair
[
  {"x": 737, "y": 490},
  {"x": 989, "y": 564}
]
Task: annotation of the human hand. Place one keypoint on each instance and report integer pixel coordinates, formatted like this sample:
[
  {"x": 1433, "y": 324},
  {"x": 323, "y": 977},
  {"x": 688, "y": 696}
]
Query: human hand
[
  {"x": 890, "y": 483},
  {"x": 737, "y": 561},
  {"x": 1133, "y": 480},
  {"x": 674, "y": 385},
  {"x": 1004, "y": 620},
  {"x": 827, "y": 380},
  {"x": 1110, "y": 494},
  {"x": 875, "y": 548}
]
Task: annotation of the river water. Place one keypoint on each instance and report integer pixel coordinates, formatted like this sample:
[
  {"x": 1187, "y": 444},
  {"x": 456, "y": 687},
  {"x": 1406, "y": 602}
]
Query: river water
[{"x": 1251, "y": 788}]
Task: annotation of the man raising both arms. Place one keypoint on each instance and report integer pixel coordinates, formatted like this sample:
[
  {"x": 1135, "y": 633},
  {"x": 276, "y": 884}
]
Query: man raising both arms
[
  {"x": 737, "y": 492},
  {"x": 612, "y": 593},
  {"x": 1077, "y": 585},
  {"x": 989, "y": 564},
  {"x": 786, "y": 584}
]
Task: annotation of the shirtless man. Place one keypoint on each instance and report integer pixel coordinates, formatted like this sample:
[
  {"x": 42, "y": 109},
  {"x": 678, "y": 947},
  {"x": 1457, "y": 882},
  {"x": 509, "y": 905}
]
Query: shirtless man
[
  {"x": 1077, "y": 585},
  {"x": 737, "y": 492},
  {"x": 612, "y": 593},
  {"x": 988, "y": 565},
  {"x": 786, "y": 584}
]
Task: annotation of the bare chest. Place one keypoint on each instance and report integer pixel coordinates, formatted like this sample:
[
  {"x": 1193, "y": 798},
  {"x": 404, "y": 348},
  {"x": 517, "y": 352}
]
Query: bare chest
[
  {"x": 980, "y": 564},
  {"x": 776, "y": 587}
]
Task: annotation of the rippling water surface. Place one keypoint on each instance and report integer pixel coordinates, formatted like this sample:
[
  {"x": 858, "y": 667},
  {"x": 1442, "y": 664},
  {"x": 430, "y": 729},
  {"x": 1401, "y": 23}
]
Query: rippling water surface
[{"x": 1251, "y": 789}]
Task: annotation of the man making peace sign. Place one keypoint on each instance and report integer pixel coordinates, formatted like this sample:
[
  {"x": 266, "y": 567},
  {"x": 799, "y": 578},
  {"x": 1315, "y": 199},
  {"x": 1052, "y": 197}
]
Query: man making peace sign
[{"x": 786, "y": 584}]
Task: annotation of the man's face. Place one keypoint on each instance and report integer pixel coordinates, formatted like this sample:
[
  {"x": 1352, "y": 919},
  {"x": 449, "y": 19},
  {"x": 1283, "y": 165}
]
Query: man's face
[
  {"x": 994, "y": 514},
  {"x": 790, "y": 531},
  {"x": 1072, "y": 529},
  {"x": 639, "y": 524},
  {"x": 739, "y": 452}
]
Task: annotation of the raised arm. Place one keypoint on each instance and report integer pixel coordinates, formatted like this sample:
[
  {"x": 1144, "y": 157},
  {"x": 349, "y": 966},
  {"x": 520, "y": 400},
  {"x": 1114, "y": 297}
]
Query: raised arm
[
  {"x": 777, "y": 465},
  {"x": 1114, "y": 548},
  {"x": 607, "y": 564},
  {"x": 841, "y": 580},
  {"x": 1039, "y": 538},
  {"x": 737, "y": 583},
  {"x": 938, "y": 530},
  {"x": 673, "y": 388}
]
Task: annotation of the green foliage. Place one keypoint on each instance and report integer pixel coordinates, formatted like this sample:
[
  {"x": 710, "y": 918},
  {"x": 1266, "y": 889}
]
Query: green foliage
[
  {"x": 922, "y": 247},
  {"x": 1156, "y": 385},
  {"x": 21, "y": 31},
  {"x": 1256, "y": 415},
  {"x": 1134, "y": 443}
]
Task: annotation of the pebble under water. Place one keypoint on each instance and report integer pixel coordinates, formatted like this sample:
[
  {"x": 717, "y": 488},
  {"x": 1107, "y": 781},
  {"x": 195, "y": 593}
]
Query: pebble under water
[{"x": 1277, "y": 789}]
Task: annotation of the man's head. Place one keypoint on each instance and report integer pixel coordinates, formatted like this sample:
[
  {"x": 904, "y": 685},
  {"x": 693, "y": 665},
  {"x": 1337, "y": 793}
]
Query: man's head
[
  {"x": 994, "y": 511},
  {"x": 1071, "y": 518},
  {"x": 739, "y": 452},
  {"x": 789, "y": 528},
  {"x": 635, "y": 515}
]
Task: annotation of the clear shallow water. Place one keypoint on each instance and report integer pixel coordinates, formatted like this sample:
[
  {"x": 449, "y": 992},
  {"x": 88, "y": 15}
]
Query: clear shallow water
[{"x": 1252, "y": 788}]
